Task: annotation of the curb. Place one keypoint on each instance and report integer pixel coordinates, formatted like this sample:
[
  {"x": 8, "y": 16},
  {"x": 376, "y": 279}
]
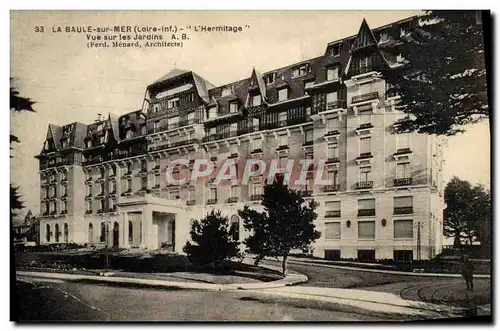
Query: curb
[
  {"x": 384, "y": 271},
  {"x": 292, "y": 278}
]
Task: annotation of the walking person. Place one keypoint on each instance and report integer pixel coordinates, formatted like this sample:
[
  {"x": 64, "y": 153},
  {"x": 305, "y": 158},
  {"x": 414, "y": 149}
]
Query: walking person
[{"x": 467, "y": 271}]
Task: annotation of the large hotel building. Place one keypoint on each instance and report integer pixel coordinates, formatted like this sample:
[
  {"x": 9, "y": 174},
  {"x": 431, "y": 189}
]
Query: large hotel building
[{"x": 104, "y": 183}]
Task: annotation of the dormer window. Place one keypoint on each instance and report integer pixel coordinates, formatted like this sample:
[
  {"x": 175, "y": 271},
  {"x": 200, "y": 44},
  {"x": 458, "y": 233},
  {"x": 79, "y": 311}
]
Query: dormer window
[
  {"x": 336, "y": 49},
  {"x": 233, "y": 107},
  {"x": 101, "y": 140},
  {"x": 403, "y": 32},
  {"x": 143, "y": 129},
  {"x": 384, "y": 37},
  {"x": 65, "y": 143},
  {"x": 301, "y": 70},
  {"x": 332, "y": 73},
  {"x": 212, "y": 112},
  {"x": 99, "y": 126},
  {"x": 129, "y": 134},
  {"x": 89, "y": 143},
  {"x": 173, "y": 103},
  {"x": 226, "y": 91},
  {"x": 256, "y": 100},
  {"x": 283, "y": 94},
  {"x": 270, "y": 78},
  {"x": 308, "y": 84}
]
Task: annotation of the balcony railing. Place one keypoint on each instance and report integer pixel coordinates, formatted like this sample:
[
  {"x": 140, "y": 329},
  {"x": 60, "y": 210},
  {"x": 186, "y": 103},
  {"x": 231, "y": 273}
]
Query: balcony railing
[
  {"x": 367, "y": 155},
  {"x": 255, "y": 197},
  {"x": 332, "y": 213},
  {"x": 190, "y": 202},
  {"x": 282, "y": 147},
  {"x": 402, "y": 151},
  {"x": 332, "y": 133},
  {"x": 331, "y": 188},
  {"x": 365, "y": 97},
  {"x": 211, "y": 201},
  {"x": 365, "y": 126},
  {"x": 403, "y": 210},
  {"x": 364, "y": 185},
  {"x": 256, "y": 151},
  {"x": 233, "y": 156},
  {"x": 338, "y": 104},
  {"x": 332, "y": 160},
  {"x": 216, "y": 136},
  {"x": 361, "y": 70},
  {"x": 308, "y": 143},
  {"x": 403, "y": 181},
  {"x": 232, "y": 199},
  {"x": 366, "y": 212}
]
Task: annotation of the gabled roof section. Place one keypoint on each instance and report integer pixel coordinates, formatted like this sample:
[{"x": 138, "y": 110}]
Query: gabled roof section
[
  {"x": 257, "y": 81},
  {"x": 55, "y": 134},
  {"x": 171, "y": 74},
  {"x": 365, "y": 37}
]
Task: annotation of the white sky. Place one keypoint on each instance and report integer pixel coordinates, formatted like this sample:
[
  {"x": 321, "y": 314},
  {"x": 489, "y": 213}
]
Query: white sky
[{"x": 73, "y": 83}]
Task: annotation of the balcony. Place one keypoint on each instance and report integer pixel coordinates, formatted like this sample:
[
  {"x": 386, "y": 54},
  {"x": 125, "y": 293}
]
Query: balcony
[
  {"x": 332, "y": 213},
  {"x": 211, "y": 201},
  {"x": 190, "y": 202},
  {"x": 332, "y": 133},
  {"x": 402, "y": 153},
  {"x": 256, "y": 197},
  {"x": 216, "y": 136},
  {"x": 331, "y": 188},
  {"x": 364, "y": 185},
  {"x": 364, "y": 98},
  {"x": 364, "y": 157},
  {"x": 308, "y": 143},
  {"x": 403, "y": 210},
  {"x": 232, "y": 200},
  {"x": 332, "y": 160},
  {"x": 366, "y": 212},
  {"x": 366, "y": 127},
  {"x": 403, "y": 181}
]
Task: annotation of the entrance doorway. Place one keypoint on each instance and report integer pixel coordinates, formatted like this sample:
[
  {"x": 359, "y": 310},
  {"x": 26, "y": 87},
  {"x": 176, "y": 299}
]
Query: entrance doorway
[{"x": 116, "y": 232}]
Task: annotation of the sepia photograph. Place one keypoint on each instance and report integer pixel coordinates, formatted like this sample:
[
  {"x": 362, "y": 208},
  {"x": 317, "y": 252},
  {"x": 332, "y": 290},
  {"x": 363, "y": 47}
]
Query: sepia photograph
[{"x": 250, "y": 166}]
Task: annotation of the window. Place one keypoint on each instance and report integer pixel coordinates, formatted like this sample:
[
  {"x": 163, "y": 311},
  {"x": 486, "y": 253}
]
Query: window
[
  {"x": 212, "y": 112},
  {"x": 365, "y": 145},
  {"x": 331, "y": 98},
  {"x": 257, "y": 143},
  {"x": 336, "y": 49},
  {"x": 333, "y": 206},
  {"x": 270, "y": 79},
  {"x": 233, "y": 148},
  {"x": 102, "y": 237},
  {"x": 332, "y": 231},
  {"x": 403, "y": 205},
  {"x": 234, "y": 230},
  {"x": 332, "y": 73},
  {"x": 308, "y": 136},
  {"x": 58, "y": 233},
  {"x": 99, "y": 127},
  {"x": 366, "y": 204},
  {"x": 283, "y": 140},
  {"x": 364, "y": 173},
  {"x": 403, "y": 170},
  {"x": 101, "y": 188},
  {"x": 111, "y": 204},
  {"x": 384, "y": 37},
  {"x": 213, "y": 193},
  {"x": 63, "y": 205},
  {"x": 282, "y": 94},
  {"x": 403, "y": 32},
  {"x": 365, "y": 117},
  {"x": 66, "y": 232},
  {"x": 144, "y": 182},
  {"x": 365, "y": 63},
  {"x": 332, "y": 254},
  {"x": 89, "y": 205},
  {"x": 129, "y": 134},
  {"x": 234, "y": 191},
  {"x": 333, "y": 151},
  {"x": 333, "y": 177},
  {"x": 403, "y": 255},
  {"x": 256, "y": 100},
  {"x": 366, "y": 230},
  {"x": 130, "y": 232},
  {"x": 144, "y": 165},
  {"x": 227, "y": 90},
  {"x": 233, "y": 107},
  {"x": 332, "y": 124},
  {"x": 90, "y": 233},
  {"x": 301, "y": 70},
  {"x": 366, "y": 254},
  {"x": 48, "y": 234},
  {"x": 308, "y": 84},
  {"x": 403, "y": 140},
  {"x": 256, "y": 188},
  {"x": 129, "y": 184},
  {"x": 173, "y": 103},
  {"x": 101, "y": 139},
  {"x": 54, "y": 207},
  {"x": 65, "y": 143},
  {"x": 157, "y": 180},
  {"x": 101, "y": 205},
  {"x": 403, "y": 229}
]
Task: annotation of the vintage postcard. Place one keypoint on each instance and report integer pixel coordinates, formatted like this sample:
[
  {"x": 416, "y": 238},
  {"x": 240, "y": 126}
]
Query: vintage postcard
[{"x": 257, "y": 166}]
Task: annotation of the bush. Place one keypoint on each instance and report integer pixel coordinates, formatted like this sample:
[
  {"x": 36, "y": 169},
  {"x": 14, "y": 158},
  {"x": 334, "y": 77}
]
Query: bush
[{"x": 213, "y": 244}]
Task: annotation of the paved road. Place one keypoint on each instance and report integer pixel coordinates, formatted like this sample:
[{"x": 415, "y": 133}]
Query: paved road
[
  {"x": 441, "y": 290},
  {"x": 65, "y": 301}
]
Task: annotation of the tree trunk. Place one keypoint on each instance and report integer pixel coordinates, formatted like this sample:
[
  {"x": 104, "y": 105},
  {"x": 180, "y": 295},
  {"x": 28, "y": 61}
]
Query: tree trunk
[{"x": 284, "y": 265}]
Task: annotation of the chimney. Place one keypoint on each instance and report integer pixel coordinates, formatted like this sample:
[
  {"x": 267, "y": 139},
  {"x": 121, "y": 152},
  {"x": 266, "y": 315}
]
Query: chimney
[{"x": 99, "y": 117}]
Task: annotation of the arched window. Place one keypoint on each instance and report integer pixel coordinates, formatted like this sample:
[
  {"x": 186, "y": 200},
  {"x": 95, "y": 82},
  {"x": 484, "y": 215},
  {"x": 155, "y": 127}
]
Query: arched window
[
  {"x": 58, "y": 233},
  {"x": 103, "y": 232},
  {"x": 91, "y": 233},
  {"x": 130, "y": 232},
  {"x": 65, "y": 232},
  {"x": 234, "y": 230},
  {"x": 48, "y": 234}
]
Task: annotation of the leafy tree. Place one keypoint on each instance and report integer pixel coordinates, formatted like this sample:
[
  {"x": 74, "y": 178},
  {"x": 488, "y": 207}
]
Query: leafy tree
[
  {"x": 213, "y": 243},
  {"x": 285, "y": 224},
  {"x": 442, "y": 83},
  {"x": 17, "y": 104},
  {"x": 467, "y": 207}
]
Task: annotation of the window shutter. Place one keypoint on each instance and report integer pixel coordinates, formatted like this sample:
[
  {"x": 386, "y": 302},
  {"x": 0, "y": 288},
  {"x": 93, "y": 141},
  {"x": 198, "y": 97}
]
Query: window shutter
[
  {"x": 366, "y": 229},
  {"x": 403, "y": 202},
  {"x": 332, "y": 205},
  {"x": 366, "y": 204},
  {"x": 332, "y": 230},
  {"x": 403, "y": 229}
]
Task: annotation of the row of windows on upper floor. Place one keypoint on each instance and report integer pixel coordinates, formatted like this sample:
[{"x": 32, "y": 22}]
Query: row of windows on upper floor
[{"x": 366, "y": 230}]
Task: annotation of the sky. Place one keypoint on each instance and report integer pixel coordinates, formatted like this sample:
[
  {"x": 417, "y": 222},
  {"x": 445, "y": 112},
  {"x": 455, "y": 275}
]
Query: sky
[{"x": 71, "y": 82}]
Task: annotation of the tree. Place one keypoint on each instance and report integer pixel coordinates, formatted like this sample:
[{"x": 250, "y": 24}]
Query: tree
[
  {"x": 442, "y": 83},
  {"x": 213, "y": 243},
  {"x": 467, "y": 208},
  {"x": 17, "y": 104},
  {"x": 285, "y": 224}
]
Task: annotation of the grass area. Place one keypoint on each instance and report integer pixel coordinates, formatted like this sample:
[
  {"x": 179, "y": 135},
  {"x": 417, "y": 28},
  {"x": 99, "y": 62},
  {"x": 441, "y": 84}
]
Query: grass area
[{"x": 156, "y": 266}]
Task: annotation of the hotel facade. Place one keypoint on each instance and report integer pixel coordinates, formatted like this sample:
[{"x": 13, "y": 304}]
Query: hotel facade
[{"x": 104, "y": 183}]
